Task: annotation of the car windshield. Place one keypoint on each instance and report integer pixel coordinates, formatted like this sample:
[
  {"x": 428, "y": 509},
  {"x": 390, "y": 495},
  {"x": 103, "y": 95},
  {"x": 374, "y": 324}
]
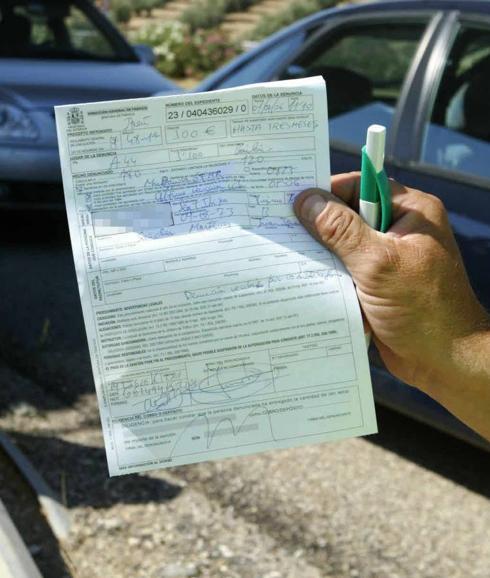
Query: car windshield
[{"x": 54, "y": 29}]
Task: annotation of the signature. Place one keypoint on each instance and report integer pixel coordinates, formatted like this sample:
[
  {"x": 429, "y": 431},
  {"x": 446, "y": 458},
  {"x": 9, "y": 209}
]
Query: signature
[
  {"x": 263, "y": 199},
  {"x": 266, "y": 283},
  {"x": 147, "y": 138},
  {"x": 158, "y": 233},
  {"x": 251, "y": 148},
  {"x": 202, "y": 202},
  {"x": 319, "y": 274},
  {"x": 276, "y": 223},
  {"x": 189, "y": 215},
  {"x": 219, "y": 386},
  {"x": 220, "y": 289},
  {"x": 132, "y": 124},
  {"x": 210, "y": 433}
]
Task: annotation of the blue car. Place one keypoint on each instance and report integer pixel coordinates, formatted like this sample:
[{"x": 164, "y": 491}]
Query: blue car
[
  {"x": 57, "y": 52},
  {"x": 421, "y": 68}
]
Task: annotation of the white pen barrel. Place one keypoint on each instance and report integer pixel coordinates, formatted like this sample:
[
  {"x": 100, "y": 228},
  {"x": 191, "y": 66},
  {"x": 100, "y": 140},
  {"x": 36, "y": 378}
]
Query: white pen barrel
[
  {"x": 375, "y": 145},
  {"x": 370, "y": 213}
]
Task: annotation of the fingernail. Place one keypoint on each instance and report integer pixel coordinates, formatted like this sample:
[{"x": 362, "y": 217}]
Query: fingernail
[{"x": 312, "y": 207}]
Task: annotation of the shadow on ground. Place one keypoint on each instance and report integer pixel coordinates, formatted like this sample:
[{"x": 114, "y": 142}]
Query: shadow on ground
[
  {"x": 42, "y": 335},
  {"x": 80, "y": 473},
  {"x": 452, "y": 458},
  {"x": 23, "y": 508}
]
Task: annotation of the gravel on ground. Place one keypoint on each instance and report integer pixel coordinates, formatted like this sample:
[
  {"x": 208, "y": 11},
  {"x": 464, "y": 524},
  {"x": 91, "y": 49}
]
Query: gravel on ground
[{"x": 349, "y": 509}]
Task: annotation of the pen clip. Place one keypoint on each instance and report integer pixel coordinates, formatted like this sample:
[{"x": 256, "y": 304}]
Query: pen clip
[{"x": 376, "y": 188}]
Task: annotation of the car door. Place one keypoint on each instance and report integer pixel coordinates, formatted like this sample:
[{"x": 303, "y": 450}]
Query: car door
[
  {"x": 365, "y": 60},
  {"x": 443, "y": 142},
  {"x": 372, "y": 66}
]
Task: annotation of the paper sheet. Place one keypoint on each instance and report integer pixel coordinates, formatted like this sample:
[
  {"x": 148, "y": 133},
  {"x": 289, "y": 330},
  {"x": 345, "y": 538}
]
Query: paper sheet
[{"x": 216, "y": 325}]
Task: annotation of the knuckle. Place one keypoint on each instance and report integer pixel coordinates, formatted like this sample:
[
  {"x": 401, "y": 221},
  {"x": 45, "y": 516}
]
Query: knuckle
[
  {"x": 435, "y": 203},
  {"x": 397, "y": 188},
  {"x": 391, "y": 260},
  {"x": 338, "y": 227},
  {"x": 386, "y": 261}
]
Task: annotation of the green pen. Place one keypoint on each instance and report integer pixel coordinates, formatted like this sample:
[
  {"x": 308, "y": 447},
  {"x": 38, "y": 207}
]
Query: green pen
[{"x": 375, "y": 197}]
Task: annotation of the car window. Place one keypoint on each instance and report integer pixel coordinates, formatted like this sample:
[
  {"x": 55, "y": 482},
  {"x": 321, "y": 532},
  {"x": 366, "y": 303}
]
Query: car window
[
  {"x": 261, "y": 66},
  {"x": 457, "y": 136},
  {"x": 364, "y": 66},
  {"x": 46, "y": 29}
]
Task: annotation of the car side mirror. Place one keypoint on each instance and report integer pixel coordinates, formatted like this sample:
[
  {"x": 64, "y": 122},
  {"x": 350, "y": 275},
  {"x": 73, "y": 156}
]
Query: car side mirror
[{"x": 145, "y": 53}]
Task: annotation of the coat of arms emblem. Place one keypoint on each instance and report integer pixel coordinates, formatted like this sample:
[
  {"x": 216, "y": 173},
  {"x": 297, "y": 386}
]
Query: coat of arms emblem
[{"x": 75, "y": 117}]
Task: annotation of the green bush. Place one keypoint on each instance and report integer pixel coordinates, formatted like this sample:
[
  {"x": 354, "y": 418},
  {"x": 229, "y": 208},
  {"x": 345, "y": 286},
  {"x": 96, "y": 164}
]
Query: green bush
[
  {"x": 204, "y": 14},
  {"x": 209, "y": 13},
  {"x": 146, "y": 6},
  {"x": 138, "y": 6},
  {"x": 211, "y": 48},
  {"x": 299, "y": 9},
  {"x": 181, "y": 52},
  {"x": 122, "y": 11}
]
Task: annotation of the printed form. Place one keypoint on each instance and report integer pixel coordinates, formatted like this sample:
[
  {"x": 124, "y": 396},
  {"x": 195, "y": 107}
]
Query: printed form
[{"x": 216, "y": 325}]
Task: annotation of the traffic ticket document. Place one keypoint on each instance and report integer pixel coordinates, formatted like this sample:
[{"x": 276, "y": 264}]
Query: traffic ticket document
[{"x": 216, "y": 325}]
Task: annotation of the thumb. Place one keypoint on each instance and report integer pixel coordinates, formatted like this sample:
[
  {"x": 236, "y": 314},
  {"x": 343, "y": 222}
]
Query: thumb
[{"x": 336, "y": 226}]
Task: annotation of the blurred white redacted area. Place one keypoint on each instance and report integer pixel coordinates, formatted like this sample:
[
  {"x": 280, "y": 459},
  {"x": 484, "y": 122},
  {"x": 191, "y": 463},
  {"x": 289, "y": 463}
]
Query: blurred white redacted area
[
  {"x": 216, "y": 325},
  {"x": 148, "y": 217}
]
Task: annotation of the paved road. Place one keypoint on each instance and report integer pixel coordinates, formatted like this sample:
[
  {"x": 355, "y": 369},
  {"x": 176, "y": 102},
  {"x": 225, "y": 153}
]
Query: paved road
[{"x": 409, "y": 502}]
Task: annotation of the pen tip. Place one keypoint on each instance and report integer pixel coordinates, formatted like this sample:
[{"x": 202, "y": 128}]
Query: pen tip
[{"x": 376, "y": 129}]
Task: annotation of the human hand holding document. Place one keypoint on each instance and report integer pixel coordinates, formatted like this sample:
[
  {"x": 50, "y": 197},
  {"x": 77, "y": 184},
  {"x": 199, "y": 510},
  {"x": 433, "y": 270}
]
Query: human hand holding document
[{"x": 216, "y": 325}]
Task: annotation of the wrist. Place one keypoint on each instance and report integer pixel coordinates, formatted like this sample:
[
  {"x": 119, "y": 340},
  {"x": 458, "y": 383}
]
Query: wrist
[
  {"x": 462, "y": 381},
  {"x": 464, "y": 354}
]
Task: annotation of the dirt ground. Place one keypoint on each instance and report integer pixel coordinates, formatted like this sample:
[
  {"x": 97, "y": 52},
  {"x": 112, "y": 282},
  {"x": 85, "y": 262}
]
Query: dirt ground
[
  {"x": 413, "y": 504},
  {"x": 152, "y": 525}
]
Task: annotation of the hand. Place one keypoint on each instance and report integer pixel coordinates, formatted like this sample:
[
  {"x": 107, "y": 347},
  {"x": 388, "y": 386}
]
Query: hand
[{"x": 411, "y": 284}]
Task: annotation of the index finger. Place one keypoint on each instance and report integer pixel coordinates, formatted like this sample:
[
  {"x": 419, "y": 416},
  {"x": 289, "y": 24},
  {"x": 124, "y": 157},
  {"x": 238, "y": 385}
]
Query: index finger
[{"x": 347, "y": 186}]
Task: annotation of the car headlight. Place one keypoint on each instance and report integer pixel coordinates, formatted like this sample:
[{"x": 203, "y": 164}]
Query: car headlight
[{"x": 15, "y": 124}]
